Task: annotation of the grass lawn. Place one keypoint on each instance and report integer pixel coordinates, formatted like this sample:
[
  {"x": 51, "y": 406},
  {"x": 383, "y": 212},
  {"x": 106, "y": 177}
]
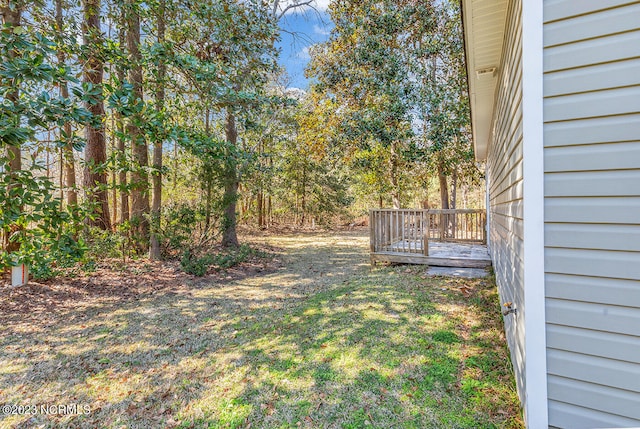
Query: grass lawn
[{"x": 322, "y": 341}]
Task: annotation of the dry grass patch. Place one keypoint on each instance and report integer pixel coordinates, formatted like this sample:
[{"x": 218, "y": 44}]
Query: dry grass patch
[{"x": 322, "y": 341}]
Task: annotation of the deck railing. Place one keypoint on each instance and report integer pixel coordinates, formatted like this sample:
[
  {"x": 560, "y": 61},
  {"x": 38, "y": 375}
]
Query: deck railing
[
  {"x": 459, "y": 225},
  {"x": 399, "y": 230},
  {"x": 409, "y": 230}
]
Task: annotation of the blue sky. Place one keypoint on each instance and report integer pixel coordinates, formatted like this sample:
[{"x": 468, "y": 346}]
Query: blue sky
[{"x": 308, "y": 27}]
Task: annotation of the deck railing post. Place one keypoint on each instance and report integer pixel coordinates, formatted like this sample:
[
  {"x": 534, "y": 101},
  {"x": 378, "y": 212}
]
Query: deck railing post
[
  {"x": 484, "y": 227},
  {"x": 372, "y": 235},
  {"x": 401, "y": 228},
  {"x": 424, "y": 220},
  {"x": 388, "y": 223}
]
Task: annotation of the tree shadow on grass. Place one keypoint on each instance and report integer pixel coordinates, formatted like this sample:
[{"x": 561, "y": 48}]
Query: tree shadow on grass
[{"x": 346, "y": 349}]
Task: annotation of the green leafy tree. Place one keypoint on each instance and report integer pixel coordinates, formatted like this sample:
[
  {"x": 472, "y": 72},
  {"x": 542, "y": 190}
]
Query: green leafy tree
[
  {"x": 362, "y": 67},
  {"x": 227, "y": 62},
  {"x": 442, "y": 103},
  {"x": 34, "y": 228},
  {"x": 396, "y": 74}
]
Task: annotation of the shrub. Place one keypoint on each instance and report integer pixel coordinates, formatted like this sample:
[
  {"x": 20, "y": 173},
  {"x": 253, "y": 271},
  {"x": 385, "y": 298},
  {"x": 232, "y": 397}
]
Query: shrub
[
  {"x": 108, "y": 244},
  {"x": 195, "y": 265},
  {"x": 40, "y": 234},
  {"x": 184, "y": 226},
  {"x": 228, "y": 258}
]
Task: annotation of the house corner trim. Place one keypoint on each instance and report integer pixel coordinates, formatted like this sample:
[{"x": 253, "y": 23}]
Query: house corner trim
[{"x": 536, "y": 411}]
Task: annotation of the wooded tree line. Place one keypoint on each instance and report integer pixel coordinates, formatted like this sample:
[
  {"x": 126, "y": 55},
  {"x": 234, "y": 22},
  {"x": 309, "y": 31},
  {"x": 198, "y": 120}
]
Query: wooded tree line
[
  {"x": 396, "y": 73},
  {"x": 165, "y": 120}
]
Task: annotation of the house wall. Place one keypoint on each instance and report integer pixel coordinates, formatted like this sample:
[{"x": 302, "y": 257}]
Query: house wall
[
  {"x": 505, "y": 189},
  {"x": 592, "y": 211}
]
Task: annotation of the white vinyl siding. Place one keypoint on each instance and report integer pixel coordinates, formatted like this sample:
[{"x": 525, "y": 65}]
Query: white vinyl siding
[
  {"x": 505, "y": 175},
  {"x": 592, "y": 212}
]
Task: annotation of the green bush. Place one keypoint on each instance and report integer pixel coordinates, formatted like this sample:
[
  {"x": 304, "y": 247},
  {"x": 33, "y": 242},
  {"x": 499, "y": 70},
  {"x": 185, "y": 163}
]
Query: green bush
[
  {"x": 34, "y": 227},
  {"x": 43, "y": 236},
  {"x": 199, "y": 265},
  {"x": 64, "y": 254},
  {"x": 183, "y": 226},
  {"x": 195, "y": 265},
  {"x": 108, "y": 244}
]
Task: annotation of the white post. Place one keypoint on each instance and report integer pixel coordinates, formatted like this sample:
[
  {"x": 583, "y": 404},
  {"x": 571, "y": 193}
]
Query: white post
[{"x": 19, "y": 275}]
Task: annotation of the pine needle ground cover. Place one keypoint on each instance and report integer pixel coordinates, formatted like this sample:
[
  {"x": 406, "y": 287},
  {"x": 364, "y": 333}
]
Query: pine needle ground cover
[{"x": 316, "y": 339}]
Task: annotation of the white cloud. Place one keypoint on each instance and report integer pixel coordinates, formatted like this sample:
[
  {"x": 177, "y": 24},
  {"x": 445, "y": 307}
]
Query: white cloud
[
  {"x": 322, "y": 4},
  {"x": 321, "y": 30},
  {"x": 296, "y": 93},
  {"x": 303, "y": 54}
]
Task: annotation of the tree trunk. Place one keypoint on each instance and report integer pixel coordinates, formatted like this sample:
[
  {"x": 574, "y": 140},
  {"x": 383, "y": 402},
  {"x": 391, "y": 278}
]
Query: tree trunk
[
  {"x": 268, "y": 222},
  {"x": 260, "y": 209},
  {"x": 112, "y": 139},
  {"x": 260, "y": 194},
  {"x": 95, "y": 178},
  {"x": 303, "y": 201},
  {"x": 61, "y": 177},
  {"x": 245, "y": 205},
  {"x": 395, "y": 187},
  {"x": 120, "y": 143},
  {"x": 208, "y": 201},
  {"x": 68, "y": 165},
  {"x": 454, "y": 188},
  {"x": 229, "y": 235},
  {"x": 231, "y": 183},
  {"x": 114, "y": 196},
  {"x": 11, "y": 18},
  {"x": 269, "y": 206},
  {"x": 156, "y": 202},
  {"x": 208, "y": 181},
  {"x": 139, "y": 149},
  {"x": 465, "y": 198},
  {"x": 444, "y": 191},
  {"x": 175, "y": 165},
  {"x": 444, "y": 199},
  {"x": 114, "y": 178},
  {"x": 122, "y": 175}
]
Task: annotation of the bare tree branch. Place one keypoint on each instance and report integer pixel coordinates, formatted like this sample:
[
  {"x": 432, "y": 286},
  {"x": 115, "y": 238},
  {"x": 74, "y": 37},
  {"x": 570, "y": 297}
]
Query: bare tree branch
[{"x": 292, "y": 6}]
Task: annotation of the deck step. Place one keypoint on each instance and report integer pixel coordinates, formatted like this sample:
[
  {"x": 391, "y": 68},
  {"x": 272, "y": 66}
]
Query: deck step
[{"x": 414, "y": 258}]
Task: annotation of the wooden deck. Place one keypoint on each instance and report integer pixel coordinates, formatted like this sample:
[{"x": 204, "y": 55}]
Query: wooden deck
[
  {"x": 441, "y": 254},
  {"x": 446, "y": 238}
]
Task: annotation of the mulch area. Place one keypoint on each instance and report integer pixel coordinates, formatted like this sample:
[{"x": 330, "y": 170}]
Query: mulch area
[{"x": 112, "y": 281}]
